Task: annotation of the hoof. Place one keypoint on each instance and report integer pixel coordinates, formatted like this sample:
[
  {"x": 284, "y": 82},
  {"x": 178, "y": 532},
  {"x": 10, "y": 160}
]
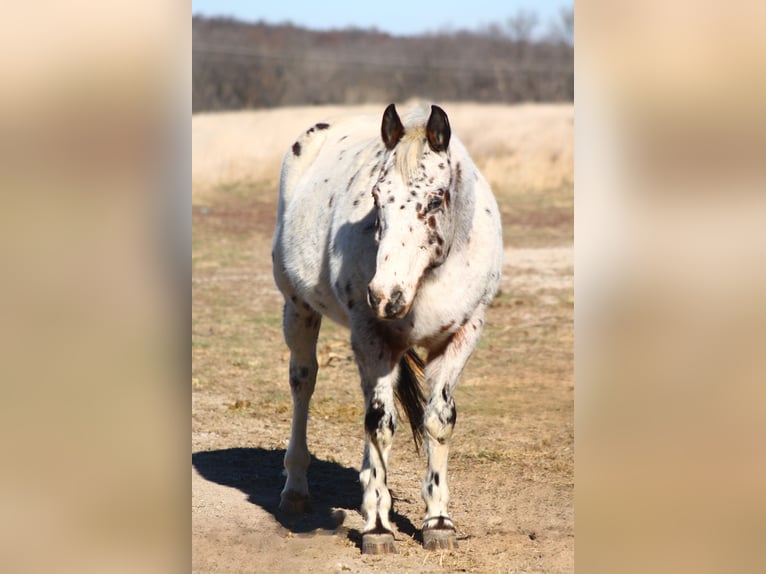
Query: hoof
[
  {"x": 294, "y": 502},
  {"x": 439, "y": 539},
  {"x": 378, "y": 543}
]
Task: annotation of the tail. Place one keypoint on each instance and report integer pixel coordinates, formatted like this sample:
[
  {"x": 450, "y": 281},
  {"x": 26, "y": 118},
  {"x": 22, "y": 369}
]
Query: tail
[{"x": 409, "y": 392}]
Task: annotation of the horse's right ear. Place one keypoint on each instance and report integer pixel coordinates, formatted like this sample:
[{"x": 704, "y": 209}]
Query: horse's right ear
[{"x": 391, "y": 129}]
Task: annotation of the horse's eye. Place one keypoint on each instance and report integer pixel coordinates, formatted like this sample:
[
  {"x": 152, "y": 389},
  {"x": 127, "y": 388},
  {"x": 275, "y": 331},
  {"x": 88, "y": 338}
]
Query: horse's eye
[{"x": 434, "y": 203}]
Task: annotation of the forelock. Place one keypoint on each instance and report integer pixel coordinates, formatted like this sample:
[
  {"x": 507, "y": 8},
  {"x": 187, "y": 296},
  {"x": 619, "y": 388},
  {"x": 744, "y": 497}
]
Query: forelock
[{"x": 409, "y": 150}]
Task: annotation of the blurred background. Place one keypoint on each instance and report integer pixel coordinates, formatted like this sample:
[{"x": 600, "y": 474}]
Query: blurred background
[
  {"x": 514, "y": 52},
  {"x": 96, "y": 173}
]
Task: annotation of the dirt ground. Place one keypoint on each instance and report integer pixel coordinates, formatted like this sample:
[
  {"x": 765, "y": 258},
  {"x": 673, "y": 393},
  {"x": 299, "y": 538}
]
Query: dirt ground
[{"x": 511, "y": 467}]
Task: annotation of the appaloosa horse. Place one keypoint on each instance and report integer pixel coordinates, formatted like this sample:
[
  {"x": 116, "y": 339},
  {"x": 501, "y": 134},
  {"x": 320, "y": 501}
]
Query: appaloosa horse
[{"x": 391, "y": 231}]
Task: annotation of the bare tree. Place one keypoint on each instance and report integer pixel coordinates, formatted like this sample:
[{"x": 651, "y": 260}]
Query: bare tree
[
  {"x": 240, "y": 65},
  {"x": 562, "y": 28},
  {"x": 521, "y": 25}
]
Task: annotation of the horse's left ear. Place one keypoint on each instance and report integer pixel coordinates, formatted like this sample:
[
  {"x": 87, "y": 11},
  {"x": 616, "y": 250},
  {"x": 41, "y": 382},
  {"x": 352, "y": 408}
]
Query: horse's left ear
[
  {"x": 391, "y": 130},
  {"x": 437, "y": 130}
]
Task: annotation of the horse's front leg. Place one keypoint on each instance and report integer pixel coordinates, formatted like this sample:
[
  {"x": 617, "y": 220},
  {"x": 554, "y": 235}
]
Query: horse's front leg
[
  {"x": 301, "y": 329},
  {"x": 442, "y": 373},
  {"x": 378, "y": 370}
]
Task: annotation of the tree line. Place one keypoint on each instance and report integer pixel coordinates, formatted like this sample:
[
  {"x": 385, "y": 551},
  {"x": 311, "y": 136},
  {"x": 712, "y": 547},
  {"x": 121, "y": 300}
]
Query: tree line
[{"x": 254, "y": 65}]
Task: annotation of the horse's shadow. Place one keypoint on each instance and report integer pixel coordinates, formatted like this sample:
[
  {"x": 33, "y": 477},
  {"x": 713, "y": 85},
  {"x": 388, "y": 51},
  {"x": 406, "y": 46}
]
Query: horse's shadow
[{"x": 258, "y": 473}]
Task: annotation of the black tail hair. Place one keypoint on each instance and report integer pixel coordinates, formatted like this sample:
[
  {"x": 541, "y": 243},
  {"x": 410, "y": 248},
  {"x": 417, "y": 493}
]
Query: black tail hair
[{"x": 409, "y": 392}]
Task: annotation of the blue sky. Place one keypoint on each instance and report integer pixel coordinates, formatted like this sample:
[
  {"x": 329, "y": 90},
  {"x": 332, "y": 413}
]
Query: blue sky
[{"x": 394, "y": 16}]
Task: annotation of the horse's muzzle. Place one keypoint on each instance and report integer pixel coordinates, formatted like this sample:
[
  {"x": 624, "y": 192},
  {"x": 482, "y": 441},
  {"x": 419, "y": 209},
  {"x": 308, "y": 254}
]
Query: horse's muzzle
[{"x": 392, "y": 307}]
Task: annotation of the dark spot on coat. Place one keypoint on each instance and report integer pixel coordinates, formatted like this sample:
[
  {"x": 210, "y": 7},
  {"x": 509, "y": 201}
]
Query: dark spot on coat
[
  {"x": 322, "y": 126},
  {"x": 445, "y": 395},
  {"x": 373, "y": 417},
  {"x": 356, "y": 202},
  {"x": 446, "y": 327},
  {"x": 452, "y": 416},
  {"x": 446, "y": 198},
  {"x": 430, "y": 490},
  {"x": 374, "y": 473},
  {"x": 341, "y": 139},
  {"x": 432, "y": 222},
  {"x": 293, "y": 298},
  {"x": 391, "y": 199},
  {"x": 401, "y": 206},
  {"x": 436, "y": 478},
  {"x": 329, "y": 203},
  {"x": 350, "y": 303},
  {"x": 296, "y": 149},
  {"x": 487, "y": 211},
  {"x": 418, "y": 206}
]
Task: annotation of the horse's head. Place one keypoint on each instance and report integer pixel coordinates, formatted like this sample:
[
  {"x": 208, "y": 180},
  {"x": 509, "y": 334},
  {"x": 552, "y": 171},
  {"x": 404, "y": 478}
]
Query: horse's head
[{"x": 413, "y": 200}]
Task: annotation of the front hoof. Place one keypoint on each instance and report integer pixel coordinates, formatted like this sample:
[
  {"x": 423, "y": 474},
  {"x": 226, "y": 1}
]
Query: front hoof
[
  {"x": 440, "y": 535},
  {"x": 294, "y": 502},
  {"x": 375, "y": 543},
  {"x": 439, "y": 539}
]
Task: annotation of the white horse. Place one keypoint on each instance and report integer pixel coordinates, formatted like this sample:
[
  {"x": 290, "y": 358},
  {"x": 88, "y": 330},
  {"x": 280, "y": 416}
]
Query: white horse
[{"x": 391, "y": 231}]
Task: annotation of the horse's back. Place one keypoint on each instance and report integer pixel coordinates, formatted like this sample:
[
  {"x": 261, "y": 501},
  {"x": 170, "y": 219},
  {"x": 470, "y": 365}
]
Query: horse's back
[
  {"x": 308, "y": 158},
  {"x": 313, "y": 170}
]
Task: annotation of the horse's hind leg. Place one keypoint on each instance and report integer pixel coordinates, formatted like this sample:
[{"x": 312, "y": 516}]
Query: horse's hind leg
[
  {"x": 442, "y": 373},
  {"x": 301, "y": 328}
]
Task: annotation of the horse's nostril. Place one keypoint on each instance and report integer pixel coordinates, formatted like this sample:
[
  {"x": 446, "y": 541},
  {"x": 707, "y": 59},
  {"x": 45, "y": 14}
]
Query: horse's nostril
[
  {"x": 395, "y": 303},
  {"x": 372, "y": 298}
]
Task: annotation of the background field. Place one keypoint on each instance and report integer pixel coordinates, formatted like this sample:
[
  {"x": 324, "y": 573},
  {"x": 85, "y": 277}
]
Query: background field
[{"x": 512, "y": 461}]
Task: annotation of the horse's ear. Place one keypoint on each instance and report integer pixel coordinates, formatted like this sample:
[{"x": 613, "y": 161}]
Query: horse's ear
[
  {"x": 437, "y": 130},
  {"x": 392, "y": 129}
]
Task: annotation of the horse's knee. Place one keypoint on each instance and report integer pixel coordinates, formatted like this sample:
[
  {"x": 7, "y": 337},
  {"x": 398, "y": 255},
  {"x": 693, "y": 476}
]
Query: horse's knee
[
  {"x": 439, "y": 420},
  {"x": 303, "y": 376},
  {"x": 380, "y": 422}
]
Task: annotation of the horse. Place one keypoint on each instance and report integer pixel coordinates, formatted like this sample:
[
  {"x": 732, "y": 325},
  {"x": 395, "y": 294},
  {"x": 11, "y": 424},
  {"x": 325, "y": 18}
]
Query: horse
[{"x": 389, "y": 229}]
